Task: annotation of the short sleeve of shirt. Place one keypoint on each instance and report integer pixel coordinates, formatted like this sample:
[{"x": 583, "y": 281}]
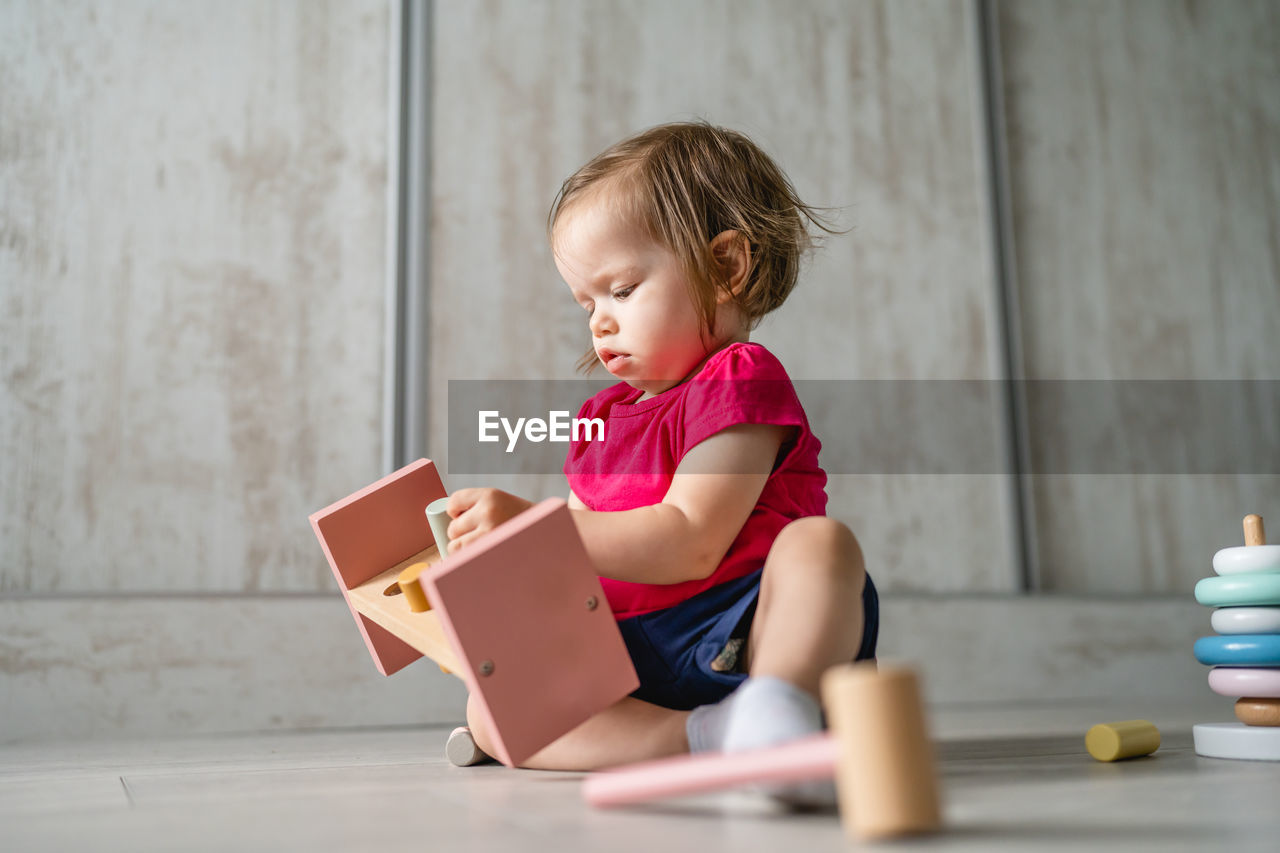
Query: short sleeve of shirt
[{"x": 742, "y": 384}]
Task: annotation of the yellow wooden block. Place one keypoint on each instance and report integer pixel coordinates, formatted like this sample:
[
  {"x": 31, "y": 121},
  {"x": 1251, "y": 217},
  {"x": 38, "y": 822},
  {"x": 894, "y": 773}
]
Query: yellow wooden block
[{"x": 1127, "y": 739}]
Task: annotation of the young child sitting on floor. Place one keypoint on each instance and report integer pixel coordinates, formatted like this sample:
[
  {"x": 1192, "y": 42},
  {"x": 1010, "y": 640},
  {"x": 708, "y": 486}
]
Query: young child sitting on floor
[{"x": 703, "y": 508}]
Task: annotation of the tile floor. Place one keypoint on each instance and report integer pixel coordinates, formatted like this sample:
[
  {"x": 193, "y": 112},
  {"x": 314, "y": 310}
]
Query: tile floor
[{"x": 1013, "y": 778}]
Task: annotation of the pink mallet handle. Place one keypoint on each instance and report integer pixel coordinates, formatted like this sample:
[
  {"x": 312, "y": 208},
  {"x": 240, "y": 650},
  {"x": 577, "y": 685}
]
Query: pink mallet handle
[{"x": 809, "y": 758}]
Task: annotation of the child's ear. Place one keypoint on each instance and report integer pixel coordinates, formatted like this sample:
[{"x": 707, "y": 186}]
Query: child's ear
[{"x": 732, "y": 253}]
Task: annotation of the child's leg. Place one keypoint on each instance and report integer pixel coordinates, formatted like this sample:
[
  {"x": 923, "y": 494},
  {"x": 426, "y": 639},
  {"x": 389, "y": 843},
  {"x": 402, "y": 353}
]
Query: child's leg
[
  {"x": 808, "y": 617},
  {"x": 809, "y": 614},
  {"x": 628, "y": 731}
]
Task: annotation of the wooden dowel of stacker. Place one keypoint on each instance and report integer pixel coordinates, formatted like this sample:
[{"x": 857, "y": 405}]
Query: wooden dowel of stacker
[{"x": 1254, "y": 534}]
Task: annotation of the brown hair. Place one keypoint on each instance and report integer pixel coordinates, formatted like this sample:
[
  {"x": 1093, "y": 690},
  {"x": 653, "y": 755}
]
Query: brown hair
[{"x": 686, "y": 182}]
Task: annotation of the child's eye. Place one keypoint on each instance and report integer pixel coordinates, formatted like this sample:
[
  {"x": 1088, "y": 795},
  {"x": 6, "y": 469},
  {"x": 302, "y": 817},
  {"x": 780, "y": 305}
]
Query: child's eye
[{"x": 624, "y": 292}]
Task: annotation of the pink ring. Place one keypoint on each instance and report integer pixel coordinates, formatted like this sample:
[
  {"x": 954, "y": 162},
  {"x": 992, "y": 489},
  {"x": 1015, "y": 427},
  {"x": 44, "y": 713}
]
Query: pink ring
[{"x": 1260, "y": 682}]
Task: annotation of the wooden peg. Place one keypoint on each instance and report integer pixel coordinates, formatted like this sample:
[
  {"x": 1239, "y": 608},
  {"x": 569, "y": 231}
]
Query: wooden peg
[
  {"x": 438, "y": 518},
  {"x": 1127, "y": 739},
  {"x": 1254, "y": 534},
  {"x": 413, "y": 592}
]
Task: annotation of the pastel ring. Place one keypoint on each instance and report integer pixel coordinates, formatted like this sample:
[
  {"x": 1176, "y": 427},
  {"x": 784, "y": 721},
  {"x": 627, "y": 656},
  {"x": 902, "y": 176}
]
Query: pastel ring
[
  {"x": 1233, "y": 590},
  {"x": 1246, "y": 620},
  {"x": 1239, "y": 650},
  {"x": 1236, "y": 740},
  {"x": 1237, "y": 681},
  {"x": 1247, "y": 559}
]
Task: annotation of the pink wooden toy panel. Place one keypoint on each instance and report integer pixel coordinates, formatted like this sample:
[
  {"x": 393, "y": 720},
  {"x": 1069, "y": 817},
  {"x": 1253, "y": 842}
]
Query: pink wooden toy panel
[
  {"x": 372, "y": 530},
  {"x": 536, "y": 639},
  {"x": 519, "y": 615}
]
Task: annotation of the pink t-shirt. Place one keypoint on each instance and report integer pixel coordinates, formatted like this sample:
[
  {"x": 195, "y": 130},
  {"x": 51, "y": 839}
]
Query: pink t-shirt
[{"x": 644, "y": 442}]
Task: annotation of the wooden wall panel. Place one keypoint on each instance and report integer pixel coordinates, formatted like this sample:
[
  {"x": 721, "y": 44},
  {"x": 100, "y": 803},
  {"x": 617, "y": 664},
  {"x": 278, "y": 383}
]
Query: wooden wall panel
[
  {"x": 192, "y": 256},
  {"x": 1144, "y": 149}
]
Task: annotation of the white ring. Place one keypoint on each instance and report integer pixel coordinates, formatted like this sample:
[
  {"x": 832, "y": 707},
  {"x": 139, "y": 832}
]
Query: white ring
[
  {"x": 1246, "y": 620},
  {"x": 1236, "y": 740},
  {"x": 1243, "y": 559}
]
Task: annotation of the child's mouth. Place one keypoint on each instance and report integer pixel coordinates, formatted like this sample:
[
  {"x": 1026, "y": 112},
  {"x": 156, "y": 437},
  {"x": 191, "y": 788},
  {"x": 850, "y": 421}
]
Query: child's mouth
[{"x": 612, "y": 360}]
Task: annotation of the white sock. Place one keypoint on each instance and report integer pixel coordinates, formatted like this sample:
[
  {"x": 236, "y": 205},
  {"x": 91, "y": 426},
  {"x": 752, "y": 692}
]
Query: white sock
[
  {"x": 775, "y": 711},
  {"x": 768, "y": 711},
  {"x": 706, "y": 723}
]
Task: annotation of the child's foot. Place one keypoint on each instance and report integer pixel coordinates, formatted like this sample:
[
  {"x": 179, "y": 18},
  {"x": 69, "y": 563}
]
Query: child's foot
[
  {"x": 767, "y": 712},
  {"x": 461, "y": 749},
  {"x": 706, "y": 723},
  {"x": 776, "y": 711}
]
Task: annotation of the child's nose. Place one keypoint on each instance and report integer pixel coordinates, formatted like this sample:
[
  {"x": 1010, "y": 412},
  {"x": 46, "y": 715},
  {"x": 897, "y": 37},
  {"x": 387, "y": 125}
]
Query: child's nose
[{"x": 602, "y": 322}]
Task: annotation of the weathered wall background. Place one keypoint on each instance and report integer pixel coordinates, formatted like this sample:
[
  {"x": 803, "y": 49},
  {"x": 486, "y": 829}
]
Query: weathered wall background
[
  {"x": 193, "y": 256},
  {"x": 194, "y": 222},
  {"x": 1144, "y": 151}
]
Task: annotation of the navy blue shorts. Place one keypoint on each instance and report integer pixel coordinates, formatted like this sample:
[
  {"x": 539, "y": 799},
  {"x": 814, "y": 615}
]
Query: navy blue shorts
[{"x": 690, "y": 654}]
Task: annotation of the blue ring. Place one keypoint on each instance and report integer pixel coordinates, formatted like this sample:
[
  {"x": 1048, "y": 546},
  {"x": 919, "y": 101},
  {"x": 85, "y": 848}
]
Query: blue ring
[{"x": 1239, "y": 650}]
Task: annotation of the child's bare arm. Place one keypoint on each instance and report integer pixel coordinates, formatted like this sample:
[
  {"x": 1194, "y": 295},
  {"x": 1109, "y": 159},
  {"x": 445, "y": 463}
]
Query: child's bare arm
[
  {"x": 685, "y": 536},
  {"x": 682, "y": 538}
]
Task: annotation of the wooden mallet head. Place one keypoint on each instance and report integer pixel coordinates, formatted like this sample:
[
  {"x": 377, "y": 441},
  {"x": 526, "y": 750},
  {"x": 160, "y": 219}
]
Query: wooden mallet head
[{"x": 885, "y": 774}]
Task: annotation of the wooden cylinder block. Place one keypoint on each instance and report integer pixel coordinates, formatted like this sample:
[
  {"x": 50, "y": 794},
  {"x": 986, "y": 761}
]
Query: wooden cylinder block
[
  {"x": 1254, "y": 532},
  {"x": 438, "y": 518},
  {"x": 413, "y": 591},
  {"x": 885, "y": 771},
  {"x": 1128, "y": 739},
  {"x": 1254, "y": 711}
]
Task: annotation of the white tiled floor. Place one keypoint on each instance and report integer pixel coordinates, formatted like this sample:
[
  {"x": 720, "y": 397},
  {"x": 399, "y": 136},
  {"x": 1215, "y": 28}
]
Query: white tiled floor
[{"x": 1013, "y": 778}]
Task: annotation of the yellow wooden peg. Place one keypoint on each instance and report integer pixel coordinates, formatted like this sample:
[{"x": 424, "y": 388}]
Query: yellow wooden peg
[
  {"x": 413, "y": 591},
  {"x": 1127, "y": 739}
]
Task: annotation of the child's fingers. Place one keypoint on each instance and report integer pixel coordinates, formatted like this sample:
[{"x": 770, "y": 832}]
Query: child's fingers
[
  {"x": 462, "y": 500},
  {"x": 471, "y": 510},
  {"x": 460, "y": 527},
  {"x": 462, "y": 541},
  {"x": 477, "y": 511}
]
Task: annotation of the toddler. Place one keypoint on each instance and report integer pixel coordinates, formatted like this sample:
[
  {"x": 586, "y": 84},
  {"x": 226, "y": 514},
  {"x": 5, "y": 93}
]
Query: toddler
[{"x": 703, "y": 508}]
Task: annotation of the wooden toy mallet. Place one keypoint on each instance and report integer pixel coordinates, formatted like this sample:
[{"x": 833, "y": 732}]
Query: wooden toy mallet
[{"x": 879, "y": 753}]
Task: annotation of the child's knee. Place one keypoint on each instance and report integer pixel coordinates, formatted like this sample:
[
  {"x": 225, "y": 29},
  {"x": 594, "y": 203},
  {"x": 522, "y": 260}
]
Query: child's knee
[{"x": 821, "y": 541}]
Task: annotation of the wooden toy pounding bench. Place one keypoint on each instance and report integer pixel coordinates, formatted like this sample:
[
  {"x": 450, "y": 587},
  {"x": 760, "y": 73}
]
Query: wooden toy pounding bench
[{"x": 519, "y": 615}]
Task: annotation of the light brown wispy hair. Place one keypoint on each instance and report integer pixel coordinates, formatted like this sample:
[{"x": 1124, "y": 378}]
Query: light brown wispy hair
[{"x": 686, "y": 182}]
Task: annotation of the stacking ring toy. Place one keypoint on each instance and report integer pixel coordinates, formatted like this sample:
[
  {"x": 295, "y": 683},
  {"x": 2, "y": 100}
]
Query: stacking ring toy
[
  {"x": 1236, "y": 740},
  {"x": 1239, "y": 650},
  {"x": 1258, "y": 711},
  {"x": 1246, "y": 559},
  {"x": 1246, "y": 620},
  {"x": 1235, "y": 682},
  {"x": 1239, "y": 589}
]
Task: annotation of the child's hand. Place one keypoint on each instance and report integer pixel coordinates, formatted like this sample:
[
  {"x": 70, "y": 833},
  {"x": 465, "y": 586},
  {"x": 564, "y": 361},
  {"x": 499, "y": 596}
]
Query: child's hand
[{"x": 477, "y": 511}]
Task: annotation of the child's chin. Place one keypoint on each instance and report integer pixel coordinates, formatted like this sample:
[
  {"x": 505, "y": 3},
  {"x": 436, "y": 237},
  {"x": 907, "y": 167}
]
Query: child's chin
[{"x": 652, "y": 387}]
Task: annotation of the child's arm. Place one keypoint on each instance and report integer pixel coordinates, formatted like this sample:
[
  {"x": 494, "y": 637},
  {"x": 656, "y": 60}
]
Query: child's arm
[{"x": 682, "y": 538}]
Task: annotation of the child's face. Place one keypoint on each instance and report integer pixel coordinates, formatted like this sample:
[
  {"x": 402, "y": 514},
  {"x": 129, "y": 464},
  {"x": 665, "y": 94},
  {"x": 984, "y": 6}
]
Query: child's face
[{"x": 644, "y": 325}]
